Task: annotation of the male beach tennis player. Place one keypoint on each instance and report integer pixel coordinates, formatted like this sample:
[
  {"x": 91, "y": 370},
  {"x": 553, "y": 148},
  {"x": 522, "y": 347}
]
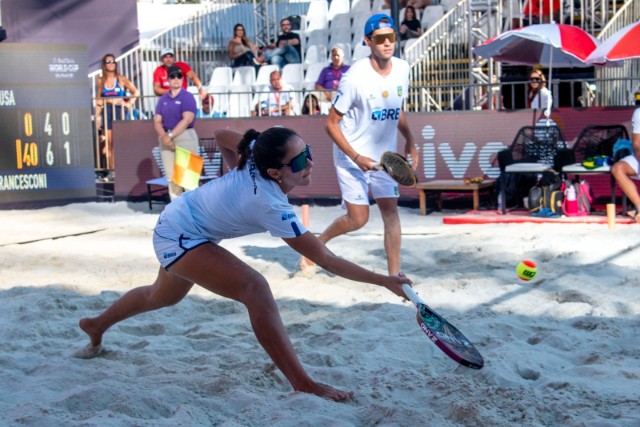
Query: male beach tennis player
[{"x": 363, "y": 122}]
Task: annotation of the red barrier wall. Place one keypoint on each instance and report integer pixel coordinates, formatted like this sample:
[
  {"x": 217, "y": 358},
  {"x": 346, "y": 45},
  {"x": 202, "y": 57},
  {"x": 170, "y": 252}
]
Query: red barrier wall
[{"x": 452, "y": 144}]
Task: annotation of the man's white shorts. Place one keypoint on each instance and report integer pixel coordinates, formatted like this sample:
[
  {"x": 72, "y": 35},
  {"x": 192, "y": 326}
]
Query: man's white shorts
[
  {"x": 633, "y": 162},
  {"x": 355, "y": 185}
]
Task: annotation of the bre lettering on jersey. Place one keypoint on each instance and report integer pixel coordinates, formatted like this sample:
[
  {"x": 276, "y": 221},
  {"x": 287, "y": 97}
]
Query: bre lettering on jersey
[{"x": 386, "y": 113}]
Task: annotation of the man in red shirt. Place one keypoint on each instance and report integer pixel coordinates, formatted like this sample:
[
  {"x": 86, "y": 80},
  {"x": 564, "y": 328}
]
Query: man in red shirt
[{"x": 160, "y": 78}]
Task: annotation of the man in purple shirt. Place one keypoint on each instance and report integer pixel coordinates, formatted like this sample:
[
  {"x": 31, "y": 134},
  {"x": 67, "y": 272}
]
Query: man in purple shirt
[{"x": 330, "y": 75}]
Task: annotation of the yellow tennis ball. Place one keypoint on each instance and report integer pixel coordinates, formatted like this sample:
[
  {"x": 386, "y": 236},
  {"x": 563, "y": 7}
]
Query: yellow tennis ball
[{"x": 526, "y": 270}]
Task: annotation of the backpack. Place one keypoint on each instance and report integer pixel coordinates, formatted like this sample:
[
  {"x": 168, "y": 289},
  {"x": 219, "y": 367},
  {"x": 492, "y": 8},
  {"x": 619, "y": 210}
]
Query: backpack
[
  {"x": 547, "y": 193},
  {"x": 578, "y": 198}
]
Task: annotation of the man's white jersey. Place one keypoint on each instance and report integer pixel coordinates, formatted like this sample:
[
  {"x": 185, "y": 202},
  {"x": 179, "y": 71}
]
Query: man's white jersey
[{"x": 371, "y": 105}]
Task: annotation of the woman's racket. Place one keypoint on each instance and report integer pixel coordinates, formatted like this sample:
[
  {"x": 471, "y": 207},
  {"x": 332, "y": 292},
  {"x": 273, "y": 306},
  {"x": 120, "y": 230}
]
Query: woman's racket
[
  {"x": 398, "y": 168},
  {"x": 443, "y": 334}
]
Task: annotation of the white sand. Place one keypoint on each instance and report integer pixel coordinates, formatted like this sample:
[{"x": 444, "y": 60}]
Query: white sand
[{"x": 562, "y": 351}]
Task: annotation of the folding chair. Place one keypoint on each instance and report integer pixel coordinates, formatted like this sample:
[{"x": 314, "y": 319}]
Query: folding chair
[{"x": 157, "y": 188}]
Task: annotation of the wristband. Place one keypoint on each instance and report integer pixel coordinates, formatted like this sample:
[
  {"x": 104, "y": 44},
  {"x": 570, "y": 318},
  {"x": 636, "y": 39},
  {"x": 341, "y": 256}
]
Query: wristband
[
  {"x": 356, "y": 158},
  {"x": 170, "y": 135}
]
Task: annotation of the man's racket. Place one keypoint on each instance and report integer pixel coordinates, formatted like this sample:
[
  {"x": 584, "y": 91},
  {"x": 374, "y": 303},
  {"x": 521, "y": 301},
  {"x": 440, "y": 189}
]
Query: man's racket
[
  {"x": 398, "y": 168},
  {"x": 443, "y": 334}
]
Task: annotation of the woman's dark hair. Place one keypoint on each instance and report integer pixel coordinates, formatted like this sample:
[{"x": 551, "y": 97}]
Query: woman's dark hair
[
  {"x": 413, "y": 9},
  {"x": 104, "y": 64},
  {"x": 305, "y": 107},
  {"x": 269, "y": 150},
  {"x": 245, "y": 39}
]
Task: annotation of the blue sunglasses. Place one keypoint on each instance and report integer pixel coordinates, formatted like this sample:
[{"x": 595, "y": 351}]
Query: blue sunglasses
[{"x": 299, "y": 162}]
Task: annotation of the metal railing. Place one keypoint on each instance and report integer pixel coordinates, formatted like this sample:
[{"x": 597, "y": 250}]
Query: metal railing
[
  {"x": 612, "y": 90},
  {"x": 443, "y": 55}
]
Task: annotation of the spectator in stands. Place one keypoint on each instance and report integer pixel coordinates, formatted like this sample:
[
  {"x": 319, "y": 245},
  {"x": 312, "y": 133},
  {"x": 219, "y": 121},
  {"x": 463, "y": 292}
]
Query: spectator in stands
[
  {"x": 242, "y": 52},
  {"x": 278, "y": 100},
  {"x": 161, "y": 83},
  {"x": 115, "y": 94},
  {"x": 411, "y": 27},
  {"x": 311, "y": 106},
  {"x": 538, "y": 96},
  {"x": 286, "y": 49},
  {"x": 173, "y": 122},
  {"x": 331, "y": 74},
  {"x": 629, "y": 167},
  {"x": 363, "y": 123},
  {"x": 206, "y": 111}
]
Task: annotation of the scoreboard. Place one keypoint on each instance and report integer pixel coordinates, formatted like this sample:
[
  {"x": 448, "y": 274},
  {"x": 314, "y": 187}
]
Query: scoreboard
[{"x": 46, "y": 142}]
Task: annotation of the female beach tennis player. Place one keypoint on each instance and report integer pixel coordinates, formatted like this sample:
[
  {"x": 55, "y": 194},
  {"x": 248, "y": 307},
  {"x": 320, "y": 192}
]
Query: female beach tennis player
[{"x": 251, "y": 198}]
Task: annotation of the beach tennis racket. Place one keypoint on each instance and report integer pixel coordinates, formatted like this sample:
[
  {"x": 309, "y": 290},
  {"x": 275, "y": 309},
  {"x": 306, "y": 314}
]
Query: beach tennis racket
[
  {"x": 398, "y": 168},
  {"x": 443, "y": 334}
]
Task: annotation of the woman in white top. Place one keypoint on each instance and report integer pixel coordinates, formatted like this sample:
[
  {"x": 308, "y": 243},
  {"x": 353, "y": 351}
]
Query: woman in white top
[
  {"x": 251, "y": 198},
  {"x": 539, "y": 97}
]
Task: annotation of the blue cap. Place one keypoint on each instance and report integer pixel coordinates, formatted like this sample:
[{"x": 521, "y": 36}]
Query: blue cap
[{"x": 374, "y": 23}]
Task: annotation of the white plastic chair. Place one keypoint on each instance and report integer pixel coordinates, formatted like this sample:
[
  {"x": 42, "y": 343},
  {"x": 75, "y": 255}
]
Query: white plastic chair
[
  {"x": 318, "y": 37},
  {"x": 244, "y": 76},
  {"x": 317, "y": 16},
  {"x": 337, "y": 7},
  {"x": 431, "y": 15},
  {"x": 316, "y": 53},
  {"x": 357, "y": 27},
  {"x": 311, "y": 76},
  {"x": 219, "y": 86},
  {"x": 221, "y": 76},
  {"x": 240, "y": 101},
  {"x": 360, "y": 51},
  {"x": 293, "y": 74},
  {"x": 360, "y": 7}
]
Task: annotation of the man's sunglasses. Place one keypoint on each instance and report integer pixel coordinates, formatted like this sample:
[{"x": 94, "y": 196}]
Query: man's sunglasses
[
  {"x": 380, "y": 38},
  {"x": 299, "y": 162},
  {"x": 175, "y": 76}
]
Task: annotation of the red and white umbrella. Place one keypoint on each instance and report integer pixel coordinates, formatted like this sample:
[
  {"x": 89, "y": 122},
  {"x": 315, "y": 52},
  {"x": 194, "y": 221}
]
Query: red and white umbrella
[
  {"x": 623, "y": 44},
  {"x": 550, "y": 45}
]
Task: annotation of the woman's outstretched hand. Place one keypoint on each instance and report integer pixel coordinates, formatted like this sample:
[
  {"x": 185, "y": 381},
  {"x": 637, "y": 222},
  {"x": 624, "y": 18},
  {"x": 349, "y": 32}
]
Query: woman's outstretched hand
[{"x": 395, "y": 284}]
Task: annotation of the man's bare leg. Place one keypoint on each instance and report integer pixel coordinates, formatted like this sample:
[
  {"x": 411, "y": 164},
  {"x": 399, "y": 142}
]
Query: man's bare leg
[
  {"x": 392, "y": 232},
  {"x": 355, "y": 218}
]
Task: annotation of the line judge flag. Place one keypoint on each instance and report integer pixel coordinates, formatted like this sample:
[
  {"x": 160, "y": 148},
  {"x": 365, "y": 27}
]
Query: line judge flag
[{"x": 187, "y": 168}]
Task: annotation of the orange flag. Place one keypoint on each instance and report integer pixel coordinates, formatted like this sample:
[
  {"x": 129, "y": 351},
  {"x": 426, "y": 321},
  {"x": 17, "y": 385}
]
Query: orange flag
[{"x": 187, "y": 169}]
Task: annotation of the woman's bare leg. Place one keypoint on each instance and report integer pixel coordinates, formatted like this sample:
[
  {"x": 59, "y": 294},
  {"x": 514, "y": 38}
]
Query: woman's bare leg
[
  {"x": 222, "y": 273},
  {"x": 168, "y": 289}
]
